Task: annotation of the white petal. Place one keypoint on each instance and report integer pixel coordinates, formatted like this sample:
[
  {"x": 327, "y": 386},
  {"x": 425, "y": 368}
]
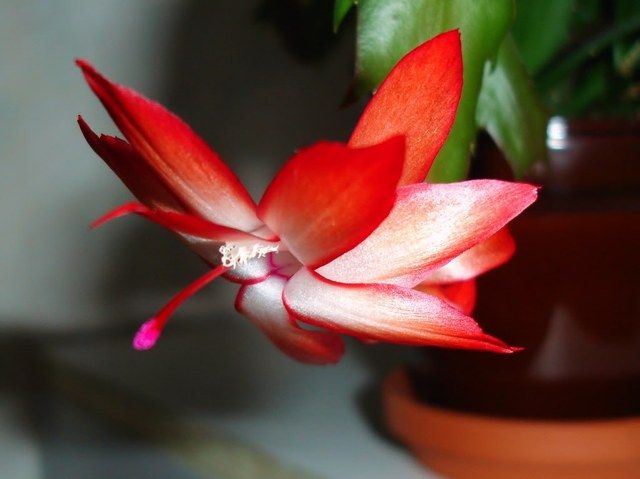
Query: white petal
[
  {"x": 262, "y": 304},
  {"x": 429, "y": 225},
  {"x": 384, "y": 312}
]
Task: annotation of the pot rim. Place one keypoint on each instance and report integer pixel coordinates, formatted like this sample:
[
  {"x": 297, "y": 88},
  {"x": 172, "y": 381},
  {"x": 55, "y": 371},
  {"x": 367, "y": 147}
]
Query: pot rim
[
  {"x": 423, "y": 427},
  {"x": 593, "y": 126}
]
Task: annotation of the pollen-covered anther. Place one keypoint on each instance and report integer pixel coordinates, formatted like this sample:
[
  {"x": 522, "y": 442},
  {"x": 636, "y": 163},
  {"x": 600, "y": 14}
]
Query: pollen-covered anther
[{"x": 233, "y": 254}]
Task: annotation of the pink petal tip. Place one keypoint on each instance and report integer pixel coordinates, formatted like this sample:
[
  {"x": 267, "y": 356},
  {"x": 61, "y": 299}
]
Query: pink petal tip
[{"x": 147, "y": 336}]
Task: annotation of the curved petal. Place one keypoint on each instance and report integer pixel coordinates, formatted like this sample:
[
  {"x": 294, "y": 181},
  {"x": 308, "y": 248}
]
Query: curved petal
[
  {"x": 418, "y": 99},
  {"x": 430, "y": 224},
  {"x": 255, "y": 271},
  {"x": 284, "y": 264},
  {"x": 262, "y": 304},
  {"x": 385, "y": 313},
  {"x": 329, "y": 197},
  {"x": 182, "y": 223},
  {"x": 184, "y": 163},
  {"x": 132, "y": 170},
  {"x": 461, "y": 295},
  {"x": 485, "y": 256}
]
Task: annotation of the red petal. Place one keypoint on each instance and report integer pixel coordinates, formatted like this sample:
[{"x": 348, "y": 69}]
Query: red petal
[
  {"x": 284, "y": 264},
  {"x": 262, "y": 304},
  {"x": 461, "y": 295},
  {"x": 329, "y": 197},
  {"x": 132, "y": 169},
  {"x": 181, "y": 223},
  {"x": 181, "y": 160},
  {"x": 484, "y": 256},
  {"x": 384, "y": 313},
  {"x": 418, "y": 99},
  {"x": 430, "y": 224},
  {"x": 150, "y": 331}
]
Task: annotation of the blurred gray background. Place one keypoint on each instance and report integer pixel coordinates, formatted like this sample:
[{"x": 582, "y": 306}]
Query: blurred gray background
[
  {"x": 219, "y": 64},
  {"x": 73, "y": 396}
]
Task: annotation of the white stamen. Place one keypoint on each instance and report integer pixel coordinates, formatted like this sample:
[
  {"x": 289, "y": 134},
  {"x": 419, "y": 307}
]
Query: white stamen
[{"x": 233, "y": 254}]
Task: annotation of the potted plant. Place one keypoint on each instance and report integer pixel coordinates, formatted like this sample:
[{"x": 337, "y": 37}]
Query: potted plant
[{"x": 567, "y": 406}]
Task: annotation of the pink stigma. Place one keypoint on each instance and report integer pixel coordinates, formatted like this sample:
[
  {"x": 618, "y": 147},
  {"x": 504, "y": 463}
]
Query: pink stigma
[
  {"x": 149, "y": 332},
  {"x": 147, "y": 335}
]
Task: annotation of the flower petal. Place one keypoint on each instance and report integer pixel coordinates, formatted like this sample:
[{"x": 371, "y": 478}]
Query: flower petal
[
  {"x": 430, "y": 224},
  {"x": 284, "y": 264},
  {"x": 385, "y": 313},
  {"x": 182, "y": 223},
  {"x": 254, "y": 271},
  {"x": 329, "y": 197},
  {"x": 181, "y": 160},
  {"x": 462, "y": 294},
  {"x": 131, "y": 168},
  {"x": 418, "y": 99},
  {"x": 262, "y": 304},
  {"x": 485, "y": 256}
]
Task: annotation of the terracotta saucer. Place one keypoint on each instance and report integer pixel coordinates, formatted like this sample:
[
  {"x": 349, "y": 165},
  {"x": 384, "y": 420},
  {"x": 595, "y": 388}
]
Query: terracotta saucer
[{"x": 461, "y": 445}]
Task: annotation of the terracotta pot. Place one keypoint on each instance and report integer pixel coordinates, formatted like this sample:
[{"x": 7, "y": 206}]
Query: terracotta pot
[
  {"x": 461, "y": 445},
  {"x": 571, "y": 297}
]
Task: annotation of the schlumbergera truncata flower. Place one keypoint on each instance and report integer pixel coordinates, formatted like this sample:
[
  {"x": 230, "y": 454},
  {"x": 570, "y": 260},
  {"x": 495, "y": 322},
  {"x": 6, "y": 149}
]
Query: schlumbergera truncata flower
[{"x": 347, "y": 239}]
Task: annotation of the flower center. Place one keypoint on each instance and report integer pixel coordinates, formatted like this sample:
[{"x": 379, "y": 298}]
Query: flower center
[{"x": 233, "y": 254}]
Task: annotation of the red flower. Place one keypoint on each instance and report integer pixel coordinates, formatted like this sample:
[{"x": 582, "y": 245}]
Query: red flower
[{"x": 347, "y": 238}]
